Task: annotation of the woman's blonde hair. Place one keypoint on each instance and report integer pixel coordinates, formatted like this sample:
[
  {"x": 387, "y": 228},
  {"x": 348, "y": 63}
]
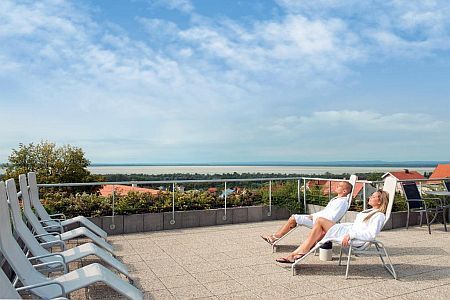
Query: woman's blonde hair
[{"x": 384, "y": 199}]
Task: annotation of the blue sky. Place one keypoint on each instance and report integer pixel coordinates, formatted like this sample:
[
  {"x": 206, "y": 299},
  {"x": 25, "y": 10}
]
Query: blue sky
[{"x": 227, "y": 80}]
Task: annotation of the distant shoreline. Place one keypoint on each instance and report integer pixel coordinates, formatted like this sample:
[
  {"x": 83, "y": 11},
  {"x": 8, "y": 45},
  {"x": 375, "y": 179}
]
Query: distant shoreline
[
  {"x": 241, "y": 169},
  {"x": 424, "y": 164}
]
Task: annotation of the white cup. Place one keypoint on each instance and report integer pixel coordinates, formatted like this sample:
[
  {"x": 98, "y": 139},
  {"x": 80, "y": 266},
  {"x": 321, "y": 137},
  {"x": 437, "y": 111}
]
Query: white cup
[{"x": 326, "y": 254}]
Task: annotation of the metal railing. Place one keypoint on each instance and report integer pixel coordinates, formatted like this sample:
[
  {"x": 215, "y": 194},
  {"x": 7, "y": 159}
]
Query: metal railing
[{"x": 174, "y": 183}]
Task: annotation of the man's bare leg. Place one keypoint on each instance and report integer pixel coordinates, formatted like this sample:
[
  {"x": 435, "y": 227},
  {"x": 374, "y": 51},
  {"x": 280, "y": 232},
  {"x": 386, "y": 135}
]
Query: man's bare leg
[{"x": 288, "y": 226}]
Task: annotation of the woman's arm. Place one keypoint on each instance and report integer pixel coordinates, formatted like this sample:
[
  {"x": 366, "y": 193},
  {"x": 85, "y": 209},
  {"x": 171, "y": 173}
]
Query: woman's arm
[{"x": 370, "y": 231}]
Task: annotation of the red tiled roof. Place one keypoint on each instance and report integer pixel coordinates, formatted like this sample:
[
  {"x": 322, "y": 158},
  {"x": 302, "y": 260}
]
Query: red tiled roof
[
  {"x": 441, "y": 171},
  {"x": 405, "y": 175},
  {"x": 107, "y": 190}
]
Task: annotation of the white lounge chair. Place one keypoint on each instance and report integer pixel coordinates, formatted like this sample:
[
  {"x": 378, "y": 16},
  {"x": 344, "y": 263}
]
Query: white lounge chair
[
  {"x": 43, "y": 255},
  {"x": 7, "y": 290},
  {"x": 69, "y": 282},
  {"x": 46, "y": 236},
  {"x": 47, "y": 219},
  {"x": 352, "y": 180},
  {"x": 380, "y": 250}
]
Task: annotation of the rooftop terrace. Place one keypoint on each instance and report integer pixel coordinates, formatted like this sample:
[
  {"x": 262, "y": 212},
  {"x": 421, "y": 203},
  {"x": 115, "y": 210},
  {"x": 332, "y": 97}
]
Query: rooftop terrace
[{"x": 233, "y": 262}]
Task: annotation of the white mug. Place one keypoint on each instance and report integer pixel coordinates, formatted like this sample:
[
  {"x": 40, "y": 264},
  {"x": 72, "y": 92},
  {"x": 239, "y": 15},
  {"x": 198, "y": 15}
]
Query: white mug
[{"x": 326, "y": 254}]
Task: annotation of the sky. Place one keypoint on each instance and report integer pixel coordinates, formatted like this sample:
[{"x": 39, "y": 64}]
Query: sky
[{"x": 198, "y": 81}]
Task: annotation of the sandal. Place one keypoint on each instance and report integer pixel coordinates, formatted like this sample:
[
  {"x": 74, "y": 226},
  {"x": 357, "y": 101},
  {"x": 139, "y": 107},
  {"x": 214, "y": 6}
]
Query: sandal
[
  {"x": 284, "y": 260},
  {"x": 270, "y": 238}
]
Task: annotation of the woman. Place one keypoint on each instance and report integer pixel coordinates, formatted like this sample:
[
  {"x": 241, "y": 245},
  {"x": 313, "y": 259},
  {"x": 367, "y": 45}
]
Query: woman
[{"x": 367, "y": 225}]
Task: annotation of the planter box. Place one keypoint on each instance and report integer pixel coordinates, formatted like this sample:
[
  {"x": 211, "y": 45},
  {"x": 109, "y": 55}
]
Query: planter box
[
  {"x": 207, "y": 217},
  {"x": 113, "y": 225},
  {"x": 190, "y": 218},
  {"x": 240, "y": 215},
  {"x": 153, "y": 221},
  {"x": 133, "y": 223},
  {"x": 255, "y": 213},
  {"x": 266, "y": 211},
  {"x": 220, "y": 215},
  {"x": 168, "y": 219}
]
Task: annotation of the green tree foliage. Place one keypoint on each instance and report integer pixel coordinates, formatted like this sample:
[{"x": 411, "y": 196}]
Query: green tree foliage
[{"x": 51, "y": 163}]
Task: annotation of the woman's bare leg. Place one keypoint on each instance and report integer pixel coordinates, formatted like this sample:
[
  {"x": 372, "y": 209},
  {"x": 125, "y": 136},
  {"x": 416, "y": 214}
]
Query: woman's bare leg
[{"x": 316, "y": 234}]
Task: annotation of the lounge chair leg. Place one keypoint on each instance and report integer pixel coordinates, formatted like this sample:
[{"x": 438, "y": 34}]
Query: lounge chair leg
[
  {"x": 428, "y": 222},
  {"x": 348, "y": 261},
  {"x": 340, "y": 256},
  {"x": 391, "y": 269}
]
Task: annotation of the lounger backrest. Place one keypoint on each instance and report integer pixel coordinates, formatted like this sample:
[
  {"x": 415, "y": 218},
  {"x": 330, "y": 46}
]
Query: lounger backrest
[
  {"x": 412, "y": 194},
  {"x": 7, "y": 291},
  {"x": 352, "y": 181},
  {"x": 19, "y": 225},
  {"x": 389, "y": 186},
  {"x": 9, "y": 247},
  {"x": 28, "y": 211},
  {"x": 34, "y": 196}
]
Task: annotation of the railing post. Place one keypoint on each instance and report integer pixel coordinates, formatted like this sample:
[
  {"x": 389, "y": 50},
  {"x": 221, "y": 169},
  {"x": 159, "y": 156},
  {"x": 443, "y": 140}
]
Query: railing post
[
  {"x": 225, "y": 209},
  {"x": 304, "y": 195},
  {"x": 173, "y": 204},
  {"x": 112, "y": 226},
  {"x": 270, "y": 198},
  {"x": 364, "y": 197},
  {"x": 298, "y": 191},
  {"x": 329, "y": 190}
]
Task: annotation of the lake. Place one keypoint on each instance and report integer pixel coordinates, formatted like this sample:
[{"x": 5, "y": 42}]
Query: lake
[{"x": 308, "y": 170}]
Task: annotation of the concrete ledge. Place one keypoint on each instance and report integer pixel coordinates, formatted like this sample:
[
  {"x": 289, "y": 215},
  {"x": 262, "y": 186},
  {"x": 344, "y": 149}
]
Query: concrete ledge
[
  {"x": 168, "y": 218},
  {"x": 240, "y": 215},
  {"x": 153, "y": 221},
  {"x": 190, "y": 218},
  {"x": 207, "y": 217},
  {"x": 254, "y": 213},
  {"x": 268, "y": 215},
  {"x": 133, "y": 223},
  {"x": 116, "y": 221},
  {"x": 220, "y": 216}
]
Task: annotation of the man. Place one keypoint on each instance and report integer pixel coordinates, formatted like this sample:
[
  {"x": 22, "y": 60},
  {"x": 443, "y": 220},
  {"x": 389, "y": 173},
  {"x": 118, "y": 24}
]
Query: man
[{"x": 334, "y": 211}]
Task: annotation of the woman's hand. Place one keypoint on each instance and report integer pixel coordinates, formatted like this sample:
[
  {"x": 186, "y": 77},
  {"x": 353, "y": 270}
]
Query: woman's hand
[{"x": 346, "y": 240}]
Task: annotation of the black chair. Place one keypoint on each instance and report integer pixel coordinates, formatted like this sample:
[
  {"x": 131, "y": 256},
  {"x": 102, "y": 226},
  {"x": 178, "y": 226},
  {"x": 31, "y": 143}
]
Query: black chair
[
  {"x": 430, "y": 206},
  {"x": 447, "y": 185}
]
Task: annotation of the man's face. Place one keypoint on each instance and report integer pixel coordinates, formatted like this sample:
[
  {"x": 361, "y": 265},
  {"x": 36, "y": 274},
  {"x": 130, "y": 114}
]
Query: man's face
[{"x": 341, "y": 188}]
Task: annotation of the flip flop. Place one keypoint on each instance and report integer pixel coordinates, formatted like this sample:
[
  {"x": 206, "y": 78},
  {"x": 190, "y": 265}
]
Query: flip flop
[
  {"x": 270, "y": 238},
  {"x": 284, "y": 260}
]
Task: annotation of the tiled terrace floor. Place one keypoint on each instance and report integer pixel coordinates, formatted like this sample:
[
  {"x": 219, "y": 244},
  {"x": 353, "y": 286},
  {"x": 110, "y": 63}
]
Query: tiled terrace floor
[{"x": 233, "y": 262}]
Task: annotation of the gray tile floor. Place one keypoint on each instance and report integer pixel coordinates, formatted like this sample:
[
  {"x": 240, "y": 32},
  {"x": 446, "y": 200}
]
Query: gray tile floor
[{"x": 233, "y": 262}]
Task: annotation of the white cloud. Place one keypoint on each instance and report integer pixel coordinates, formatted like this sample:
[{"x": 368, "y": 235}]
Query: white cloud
[
  {"x": 181, "y": 5},
  {"x": 211, "y": 84}
]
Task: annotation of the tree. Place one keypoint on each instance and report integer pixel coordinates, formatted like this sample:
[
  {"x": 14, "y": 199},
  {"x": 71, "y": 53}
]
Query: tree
[{"x": 52, "y": 164}]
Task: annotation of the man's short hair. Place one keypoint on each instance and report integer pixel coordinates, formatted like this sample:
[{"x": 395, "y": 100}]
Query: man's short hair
[{"x": 348, "y": 186}]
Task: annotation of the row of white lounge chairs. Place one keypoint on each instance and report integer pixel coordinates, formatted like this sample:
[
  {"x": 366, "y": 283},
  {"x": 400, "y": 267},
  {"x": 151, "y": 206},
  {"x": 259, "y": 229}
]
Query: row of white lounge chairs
[{"x": 47, "y": 232}]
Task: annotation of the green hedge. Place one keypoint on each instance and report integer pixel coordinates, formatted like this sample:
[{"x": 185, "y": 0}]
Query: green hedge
[{"x": 284, "y": 194}]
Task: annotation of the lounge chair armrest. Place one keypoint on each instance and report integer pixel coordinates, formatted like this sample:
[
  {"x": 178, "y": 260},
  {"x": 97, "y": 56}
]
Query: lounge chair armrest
[
  {"x": 51, "y": 220},
  {"x": 52, "y": 226},
  {"x": 61, "y": 243},
  {"x": 59, "y": 214},
  {"x": 33, "y": 286},
  {"x": 49, "y": 233},
  {"x": 56, "y": 262},
  {"x": 49, "y": 255}
]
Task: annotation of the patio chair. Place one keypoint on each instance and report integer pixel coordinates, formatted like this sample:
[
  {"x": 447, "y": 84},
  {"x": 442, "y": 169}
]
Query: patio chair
[
  {"x": 40, "y": 254},
  {"x": 7, "y": 290},
  {"x": 416, "y": 203},
  {"x": 447, "y": 185},
  {"x": 47, "y": 219},
  {"x": 352, "y": 180},
  {"x": 64, "y": 284},
  {"x": 365, "y": 249},
  {"x": 46, "y": 236}
]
